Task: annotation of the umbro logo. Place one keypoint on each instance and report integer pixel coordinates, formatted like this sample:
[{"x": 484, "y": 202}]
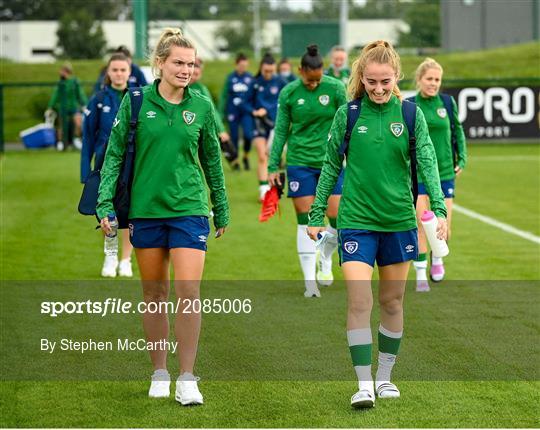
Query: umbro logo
[
  {"x": 151, "y": 114},
  {"x": 301, "y": 102},
  {"x": 409, "y": 248},
  {"x": 362, "y": 129},
  {"x": 202, "y": 238},
  {"x": 106, "y": 109},
  {"x": 354, "y": 107},
  {"x": 136, "y": 93}
]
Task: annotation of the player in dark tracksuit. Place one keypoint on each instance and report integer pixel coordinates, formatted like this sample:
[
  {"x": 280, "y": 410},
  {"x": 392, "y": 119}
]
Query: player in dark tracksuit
[
  {"x": 285, "y": 71},
  {"x": 98, "y": 122},
  {"x": 263, "y": 103},
  {"x": 233, "y": 105},
  {"x": 136, "y": 76}
]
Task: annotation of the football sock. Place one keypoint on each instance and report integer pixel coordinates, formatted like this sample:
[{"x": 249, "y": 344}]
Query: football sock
[
  {"x": 388, "y": 349},
  {"x": 360, "y": 345},
  {"x": 421, "y": 265},
  {"x": 436, "y": 261},
  {"x": 306, "y": 253}
]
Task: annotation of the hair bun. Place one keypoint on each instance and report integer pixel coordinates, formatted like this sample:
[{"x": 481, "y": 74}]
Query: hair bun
[
  {"x": 174, "y": 32},
  {"x": 313, "y": 50}
]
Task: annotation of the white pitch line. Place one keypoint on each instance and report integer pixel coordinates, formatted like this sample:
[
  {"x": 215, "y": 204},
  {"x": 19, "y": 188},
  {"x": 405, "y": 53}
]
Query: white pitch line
[{"x": 500, "y": 225}]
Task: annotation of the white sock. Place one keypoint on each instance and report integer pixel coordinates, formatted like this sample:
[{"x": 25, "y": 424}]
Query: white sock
[
  {"x": 386, "y": 360},
  {"x": 161, "y": 375},
  {"x": 436, "y": 261},
  {"x": 306, "y": 254},
  {"x": 362, "y": 336},
  {"x": 420, "y": 267},
  {"x": 186, "y": 376}
]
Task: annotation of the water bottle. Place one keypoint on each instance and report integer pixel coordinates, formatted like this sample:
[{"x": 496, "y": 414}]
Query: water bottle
[
  {"x": 439, "y": 247},
  {"x": 111, "y": 239}
]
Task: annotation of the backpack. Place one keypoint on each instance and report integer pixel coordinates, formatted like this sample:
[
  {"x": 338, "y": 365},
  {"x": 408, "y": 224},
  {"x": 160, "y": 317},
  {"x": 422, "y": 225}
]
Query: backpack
[
  {"x": 449, "y": 107},
  {"x": 121, "y": 199},
  {"x": 408, "y": 110}
]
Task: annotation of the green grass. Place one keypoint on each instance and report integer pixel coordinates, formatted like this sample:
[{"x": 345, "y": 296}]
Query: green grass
[
  {"x": 469, "y": 356},
  {"x": 23, "y": 107}
]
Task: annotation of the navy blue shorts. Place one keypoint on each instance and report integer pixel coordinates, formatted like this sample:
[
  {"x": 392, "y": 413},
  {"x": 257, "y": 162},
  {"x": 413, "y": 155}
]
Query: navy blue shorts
[
  {"x": 446, "y": 186},
  {"x": 179, "y": 232},
  {"x": 262, "y": 129},
  {"x": 385, "y": 248},
  {"x": 303, "y": 181}
]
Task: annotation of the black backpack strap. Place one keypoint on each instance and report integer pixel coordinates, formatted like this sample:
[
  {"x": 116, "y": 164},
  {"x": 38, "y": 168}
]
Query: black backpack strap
[
  {"x": 447, "y": 102},
  {"x": 408, "y": 110},
  {"x": 353, "y": 113},
  {"x": 411, "y": 99},
  {"x": 136, "y": 98}
]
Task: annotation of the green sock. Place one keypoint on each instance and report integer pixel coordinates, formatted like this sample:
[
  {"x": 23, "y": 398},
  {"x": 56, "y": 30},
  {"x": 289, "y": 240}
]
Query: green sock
[
  {"x": 388, "y": 349},
  {"x": 360, "y": 345},
  {"x": 422, "y": 257},
  {"x": 263, "y": 182}
]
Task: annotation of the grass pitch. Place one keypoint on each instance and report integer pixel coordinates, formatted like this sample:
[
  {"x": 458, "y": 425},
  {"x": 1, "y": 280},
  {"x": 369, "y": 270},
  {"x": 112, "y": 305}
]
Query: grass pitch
[{"x": 469, "y": 356}]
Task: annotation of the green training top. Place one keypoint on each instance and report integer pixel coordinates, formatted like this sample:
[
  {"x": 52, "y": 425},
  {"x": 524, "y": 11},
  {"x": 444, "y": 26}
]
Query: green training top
[
  {"x": 343, "y": 74},
  {"x": 203, "y": 89},
  {"x": 167, "y": 178},
  {"x": 303, "y": 121},
  {"x": 438, "y": 123},
  {"x": 68, "y": 97},
  {"x": 377, "y": 186}
]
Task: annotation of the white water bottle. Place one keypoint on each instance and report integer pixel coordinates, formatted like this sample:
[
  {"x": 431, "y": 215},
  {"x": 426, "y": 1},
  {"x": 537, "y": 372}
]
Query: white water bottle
[
  {"x": 439, "y": 247},
  {"x": 111, "y": 239}
]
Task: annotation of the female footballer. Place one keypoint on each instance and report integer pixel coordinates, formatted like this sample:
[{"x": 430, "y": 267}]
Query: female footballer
[
  {"x": 306, "y": 109},
  {"x": 233, "y": 105},
  {"x": 263, "y": 100},
  {"x": 446, "y": 132},
  {"x": 97, "y": 125},
  {"x": 376, "y": 221},
  {"x": 169, "y": 204}
]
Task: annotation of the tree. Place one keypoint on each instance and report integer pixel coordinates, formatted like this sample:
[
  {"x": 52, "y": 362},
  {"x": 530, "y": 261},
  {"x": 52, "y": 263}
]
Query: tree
[
  {"x": 378, "y": 9},
  {"x": 79, "y": 36},
  {"x": 52, "y": 9},
  {"x": 423, "y": 19},
  {"x": 237, "y": 36}
]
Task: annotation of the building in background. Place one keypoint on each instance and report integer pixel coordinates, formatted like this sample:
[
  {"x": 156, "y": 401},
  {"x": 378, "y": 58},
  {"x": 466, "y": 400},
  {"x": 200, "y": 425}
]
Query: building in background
[
  {"x": 470, "y": 25},
  {"x": 35, "y": 41}
]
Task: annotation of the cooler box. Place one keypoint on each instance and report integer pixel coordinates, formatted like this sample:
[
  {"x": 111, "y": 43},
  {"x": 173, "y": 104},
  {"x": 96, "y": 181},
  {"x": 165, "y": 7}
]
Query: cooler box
[{"x": 39, "y": 136}]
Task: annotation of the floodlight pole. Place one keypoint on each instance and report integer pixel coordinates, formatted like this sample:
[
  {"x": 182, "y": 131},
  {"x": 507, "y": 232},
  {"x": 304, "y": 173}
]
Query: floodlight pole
[
  {"x": 256, "y": 29},
  {"x": 343, "y": 18},
  {"x": 140, "y": 16}
]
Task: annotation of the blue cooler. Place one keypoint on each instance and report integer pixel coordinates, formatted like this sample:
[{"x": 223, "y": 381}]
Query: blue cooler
[{"x": 39, "y": 136}]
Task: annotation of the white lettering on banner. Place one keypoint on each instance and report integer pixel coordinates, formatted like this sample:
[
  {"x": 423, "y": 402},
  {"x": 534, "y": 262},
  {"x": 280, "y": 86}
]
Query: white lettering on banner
[
  {"x": 498, "y": 98},
  {"x": 489, "y": 131}
]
